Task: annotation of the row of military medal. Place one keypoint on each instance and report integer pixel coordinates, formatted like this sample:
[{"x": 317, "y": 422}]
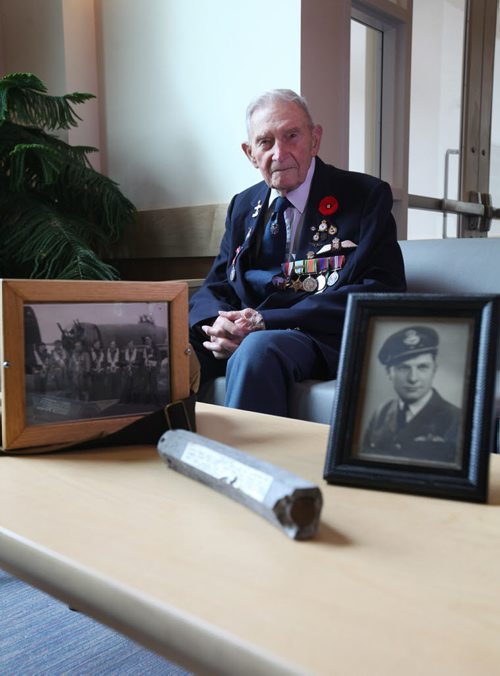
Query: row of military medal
[
  {"x": 311, "y": 274},
  {"x": 310, "y": 284}
]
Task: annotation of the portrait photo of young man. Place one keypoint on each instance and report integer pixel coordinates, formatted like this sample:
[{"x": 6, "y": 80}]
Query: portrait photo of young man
[{"x": 417, "y": 423}]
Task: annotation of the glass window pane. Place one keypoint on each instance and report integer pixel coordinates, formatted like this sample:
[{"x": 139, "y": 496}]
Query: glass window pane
[
  {"x": 365, "y": 97},
  {"x": 435, "y": 110}
]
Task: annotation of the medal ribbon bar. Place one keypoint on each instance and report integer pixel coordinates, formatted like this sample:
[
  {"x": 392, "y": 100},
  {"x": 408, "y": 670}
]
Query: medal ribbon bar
[{"x": 312, "y": 265}]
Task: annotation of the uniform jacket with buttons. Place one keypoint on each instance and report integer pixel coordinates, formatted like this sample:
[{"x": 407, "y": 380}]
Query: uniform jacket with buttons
[{"x": 433, "y": 434}]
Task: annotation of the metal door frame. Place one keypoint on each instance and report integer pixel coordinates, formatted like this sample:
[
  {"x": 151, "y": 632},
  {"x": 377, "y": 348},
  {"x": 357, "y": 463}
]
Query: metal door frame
[{"x": 474, "y": 206}]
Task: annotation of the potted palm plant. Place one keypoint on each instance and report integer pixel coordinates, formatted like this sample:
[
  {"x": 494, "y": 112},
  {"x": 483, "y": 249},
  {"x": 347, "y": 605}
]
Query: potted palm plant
[{"x": 58, "y": 216}]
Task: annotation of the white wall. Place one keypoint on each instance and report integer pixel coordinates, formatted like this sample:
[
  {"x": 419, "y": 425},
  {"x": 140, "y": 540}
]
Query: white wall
[
  {"x": 176, "y": 84},
  {"x": 2, "y": 42},
  {"x": 81, "y": 74},
  {"x": 33, "y": 40},
  {"x": 172, "y": 83},
  {"x": 55, "y": 40},
  {"x": 495, "y": 133}
]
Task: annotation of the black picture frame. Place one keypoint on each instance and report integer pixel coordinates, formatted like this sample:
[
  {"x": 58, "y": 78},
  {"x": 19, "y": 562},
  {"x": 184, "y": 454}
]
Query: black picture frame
[{"x": 444, "y": 451}]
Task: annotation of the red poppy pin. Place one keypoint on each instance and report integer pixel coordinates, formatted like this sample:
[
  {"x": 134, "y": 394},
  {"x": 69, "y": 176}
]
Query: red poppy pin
[{"x": 328, "y": 205}]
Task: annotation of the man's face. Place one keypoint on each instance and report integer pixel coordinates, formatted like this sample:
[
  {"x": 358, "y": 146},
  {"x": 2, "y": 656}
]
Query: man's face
[
  {"x": 412, "y": 379},
  {"x": 282, "y": 144}
]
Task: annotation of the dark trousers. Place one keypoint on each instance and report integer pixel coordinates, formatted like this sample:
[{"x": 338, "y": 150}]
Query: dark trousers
[{"x": 263, "y": 369}]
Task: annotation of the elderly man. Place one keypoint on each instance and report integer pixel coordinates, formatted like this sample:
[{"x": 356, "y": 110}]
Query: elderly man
[
  {"x": 418, "y": 425},
  {"x": 271, "y": 310}
]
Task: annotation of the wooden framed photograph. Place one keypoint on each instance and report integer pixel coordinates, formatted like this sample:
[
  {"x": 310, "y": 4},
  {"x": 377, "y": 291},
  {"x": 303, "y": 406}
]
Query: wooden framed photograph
[
  {"x": 83, "y": 359},
  {"x": 414, "y": 409}
]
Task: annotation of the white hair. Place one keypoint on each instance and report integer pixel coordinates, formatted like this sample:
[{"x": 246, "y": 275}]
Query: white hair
[{"x": 269, "y": 97}]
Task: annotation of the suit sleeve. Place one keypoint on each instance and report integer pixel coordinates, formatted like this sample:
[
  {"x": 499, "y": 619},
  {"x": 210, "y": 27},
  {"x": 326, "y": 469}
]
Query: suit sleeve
[{"x": 216, "y": 293}]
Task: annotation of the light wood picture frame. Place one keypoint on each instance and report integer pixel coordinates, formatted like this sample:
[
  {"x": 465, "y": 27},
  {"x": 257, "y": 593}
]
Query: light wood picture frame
[{"x": 91, "y": 391}]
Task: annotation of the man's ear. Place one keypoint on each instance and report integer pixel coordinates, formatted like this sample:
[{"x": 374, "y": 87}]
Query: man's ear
[
  {"x": 247, "y": 149},
  {"x": 317, "y": 133}
]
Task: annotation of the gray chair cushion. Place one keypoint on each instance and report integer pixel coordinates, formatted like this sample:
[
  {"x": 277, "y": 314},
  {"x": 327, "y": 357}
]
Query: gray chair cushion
[{"x": 309, "y": 400}]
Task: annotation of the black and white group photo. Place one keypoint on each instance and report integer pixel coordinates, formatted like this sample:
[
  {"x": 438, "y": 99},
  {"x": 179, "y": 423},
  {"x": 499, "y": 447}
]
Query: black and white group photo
[{"x": 92, "y": 360}]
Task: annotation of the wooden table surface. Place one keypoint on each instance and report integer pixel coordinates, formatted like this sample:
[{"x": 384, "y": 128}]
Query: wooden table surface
[{"x": 392, "y": 584}]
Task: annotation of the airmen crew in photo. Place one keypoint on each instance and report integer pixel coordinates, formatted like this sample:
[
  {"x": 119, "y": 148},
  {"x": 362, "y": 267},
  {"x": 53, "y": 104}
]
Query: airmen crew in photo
[{"x": 99, "y": 372}]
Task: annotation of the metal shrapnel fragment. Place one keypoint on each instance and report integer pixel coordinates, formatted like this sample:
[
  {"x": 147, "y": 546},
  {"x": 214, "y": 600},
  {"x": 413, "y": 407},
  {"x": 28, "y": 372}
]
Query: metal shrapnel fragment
[{"x": 289, "y": 502}]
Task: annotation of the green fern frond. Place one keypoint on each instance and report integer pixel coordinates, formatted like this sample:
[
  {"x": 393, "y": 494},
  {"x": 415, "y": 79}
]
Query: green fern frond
[
  {"x": 53, "y": 246},
  {"x": 33, "y": 159},
  {"x": 12, "y": 135},
  {"x": 57, "y": 214},
  {"x": 97, "y": 196},
  {"x": 31, "y": 162},
  {"x": 24, "y": 100},
  {"x": 75, "y": 260},
  {"x": 27, "y": 80},
  {"x": 84, "y": 264}
]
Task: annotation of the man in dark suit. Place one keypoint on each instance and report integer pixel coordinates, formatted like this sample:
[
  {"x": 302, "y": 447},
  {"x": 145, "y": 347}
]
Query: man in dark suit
[
  {"x": 419, "y": 425},
  {"x": 271, "y": 310}
]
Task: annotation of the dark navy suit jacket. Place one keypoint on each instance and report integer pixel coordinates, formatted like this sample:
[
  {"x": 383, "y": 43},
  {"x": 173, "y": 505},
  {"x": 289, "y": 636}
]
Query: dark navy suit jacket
[{"x": 376, "y": 264}]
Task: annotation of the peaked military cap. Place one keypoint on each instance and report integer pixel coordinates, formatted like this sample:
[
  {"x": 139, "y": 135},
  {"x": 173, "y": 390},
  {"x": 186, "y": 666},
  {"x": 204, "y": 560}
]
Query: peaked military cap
[{"x": 408, "y": 343}]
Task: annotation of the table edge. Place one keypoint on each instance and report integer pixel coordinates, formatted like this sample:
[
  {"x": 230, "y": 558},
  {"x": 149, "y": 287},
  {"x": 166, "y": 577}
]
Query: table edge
[{"x": 160, "y": 627}]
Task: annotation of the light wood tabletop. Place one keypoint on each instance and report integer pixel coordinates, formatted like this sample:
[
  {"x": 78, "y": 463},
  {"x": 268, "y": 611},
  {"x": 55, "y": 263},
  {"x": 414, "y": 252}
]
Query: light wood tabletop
[{"x": 392, "y": 584}]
